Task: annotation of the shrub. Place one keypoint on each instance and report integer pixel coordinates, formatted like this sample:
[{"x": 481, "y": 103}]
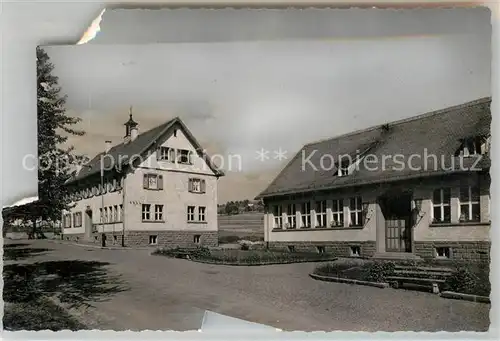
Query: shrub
[
  {"x": 378, "y": 271},
  {"x": 462, "y": 280},
  {"x": 245, "y": 247}
]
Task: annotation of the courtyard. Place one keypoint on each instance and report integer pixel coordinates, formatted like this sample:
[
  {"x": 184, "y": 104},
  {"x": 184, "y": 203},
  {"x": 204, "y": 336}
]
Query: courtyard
[{"x": 132, "y": 290}]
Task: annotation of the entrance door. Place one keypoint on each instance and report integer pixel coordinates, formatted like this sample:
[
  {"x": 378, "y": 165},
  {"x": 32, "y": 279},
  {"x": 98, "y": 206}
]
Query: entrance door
[
  {"x": 397, "y": 214},
  {"x": 88, "y": 224}
]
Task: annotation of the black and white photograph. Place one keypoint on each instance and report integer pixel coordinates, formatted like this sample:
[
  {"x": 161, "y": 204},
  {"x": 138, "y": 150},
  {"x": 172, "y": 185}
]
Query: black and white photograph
[{"x": 332, "y": 184}]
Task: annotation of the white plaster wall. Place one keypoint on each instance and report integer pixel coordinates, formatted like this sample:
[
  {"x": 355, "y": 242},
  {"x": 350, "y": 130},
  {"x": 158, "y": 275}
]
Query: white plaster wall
[
  {"x": 366, "y": 233},
  {"x": 180, "y": 141},
  {"x": 95, "y": 203},
  {"x": 457, "y": 231}
]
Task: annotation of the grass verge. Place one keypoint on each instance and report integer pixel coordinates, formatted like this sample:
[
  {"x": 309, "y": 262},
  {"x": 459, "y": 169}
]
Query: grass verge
[
  {"x": 245, "y": 257},
  {"x": 467, "y": 278},
  {"x": 39, "y": 314}
]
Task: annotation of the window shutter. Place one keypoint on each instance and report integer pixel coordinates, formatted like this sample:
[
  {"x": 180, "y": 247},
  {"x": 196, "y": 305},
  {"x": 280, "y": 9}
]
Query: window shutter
[
  {"x": 160, "y": 182},
  {"x": 203, "y": 186},
  {"x": 158, "y": 154},
  {"x": 145, "y": 181}
]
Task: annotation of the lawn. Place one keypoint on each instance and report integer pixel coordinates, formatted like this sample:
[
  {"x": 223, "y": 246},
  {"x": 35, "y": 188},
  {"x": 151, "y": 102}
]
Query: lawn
[
  {"x": 245, "y": 257},
  {"x": 467, "y": 278}
]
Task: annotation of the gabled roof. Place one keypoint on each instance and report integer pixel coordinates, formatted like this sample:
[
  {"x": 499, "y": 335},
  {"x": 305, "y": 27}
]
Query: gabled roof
[
  {"x": 142, "y": 144},
  {"x": 437, "y": 133}
]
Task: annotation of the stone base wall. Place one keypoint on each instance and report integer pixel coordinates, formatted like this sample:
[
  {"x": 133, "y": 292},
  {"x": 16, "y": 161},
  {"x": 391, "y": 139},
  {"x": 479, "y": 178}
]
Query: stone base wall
[
  {"x": 77, "y": 237},
  {"x": 172, "y": 238},
  {"x": 339, "y": 249},
  {"x": 478, "y": 251},
  {"x": 141, "y": 238}
]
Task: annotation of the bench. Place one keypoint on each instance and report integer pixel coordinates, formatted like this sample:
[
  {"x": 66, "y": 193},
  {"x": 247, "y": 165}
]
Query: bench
[{"x": 419, "y": 275}]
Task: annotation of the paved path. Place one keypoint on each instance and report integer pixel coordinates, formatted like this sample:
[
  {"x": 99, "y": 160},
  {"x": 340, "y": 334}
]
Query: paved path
[{"x": 168, "y": 293}]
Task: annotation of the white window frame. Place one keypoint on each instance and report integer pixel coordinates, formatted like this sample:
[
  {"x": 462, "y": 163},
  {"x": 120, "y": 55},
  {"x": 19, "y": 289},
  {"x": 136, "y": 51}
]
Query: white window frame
[
  {"x": 158, "y": 212},
  {"x": 291, "y": 212},
  {"x": 201, "y": 185},
  {"x": 120, "y": 215},
  {"x": 111, "y": 215},
  {"x": 356, "y": 211},
  {"x": 305, "y": 214},
  {"x": 278, "y": 216},
  {"x": 116, "y": 216},
  {"x": 438, "y": 256},
  {"x": 77, "y": 219},
  {"x": 321, "y": 213},
  {"x": 202, "y": 213},
  {"x": 469, "y": 203},
  {"x": 153, "y": 239},
  {"x": 190, "y": 213},
  {"x": 181, "y": 153},
  {"x": 338, "y": 212},
  {"x": 197, "y": 239},
  {"x": 441, "y": 205},
  {"x": 166, "y": 154},
  {"x": 146, "y": 212}
]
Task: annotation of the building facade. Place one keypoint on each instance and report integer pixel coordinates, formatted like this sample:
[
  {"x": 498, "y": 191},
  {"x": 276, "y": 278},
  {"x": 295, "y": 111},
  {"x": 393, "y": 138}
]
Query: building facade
[
  {"x": 416, "y": 188},
  {"x": 156, "y": 188}
]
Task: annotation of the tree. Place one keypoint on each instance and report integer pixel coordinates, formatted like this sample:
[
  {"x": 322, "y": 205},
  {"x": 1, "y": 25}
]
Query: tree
[{"x": 54, "y": 127}]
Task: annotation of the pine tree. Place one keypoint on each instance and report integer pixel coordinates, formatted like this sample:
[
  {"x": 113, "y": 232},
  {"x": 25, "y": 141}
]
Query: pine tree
[{"x": 54, "y": 160}]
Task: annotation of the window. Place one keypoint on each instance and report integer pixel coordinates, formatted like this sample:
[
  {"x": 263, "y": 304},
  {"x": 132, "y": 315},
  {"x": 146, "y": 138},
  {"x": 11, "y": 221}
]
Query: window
[
  {"x": 291, "y": 248},
  {"x": 338, "y": 213},
  {"x": 153, "y": 240},
  {"x": 321, "y": 249},
  {"x": 105, "y": 214},
  {"x": 77, "y": 219},
  {"x": 166, "y": 154},
  {"x": 146, "y": 212},
  {"x": 291, "y": 218},
  {"x": 153, "y": 181},
  {"x": 442, "y": 252},
  {"x": 101, "y": 215},
  {"x": 158, "y": 212},
  {"x": 190, "y": 213},
  {"x": 278, "y": 217},
  {"x": 184, "y": 156},
  {"x": 321, "y": 213},
  {"x": 196, "y": 239},
  {"x": 115, "y": 239},
  {"x": 356, "y": 212},
  {"x": 355, "y": 251},
  {"x": 469, "y": 204},
  {"x": 111, "y": 215},
  {"x": 441, "y": 205},
  {"x": 116, "y": 216},
  {"x": 197, "y": 185},
  {"x": 343, "y": 168},
  {"x": 305, "y": 214},
  {"x": 201, "y": 213},
  {"x": 67, "y": 220},
  {"x": 472, "y": 146},
  {"x": 120, "y": 215}
]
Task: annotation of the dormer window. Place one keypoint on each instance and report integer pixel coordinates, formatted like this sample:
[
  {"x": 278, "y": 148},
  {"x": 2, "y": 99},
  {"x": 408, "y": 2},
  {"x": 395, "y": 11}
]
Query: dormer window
[
  {"x": 473, "y": 146},
  {"x": 344, "y": 168}
]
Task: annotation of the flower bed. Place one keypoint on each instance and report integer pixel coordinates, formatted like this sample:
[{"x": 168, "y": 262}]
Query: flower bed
[
  {"x": 245, "y": 257},
  {"x": 467, "y": 278}
]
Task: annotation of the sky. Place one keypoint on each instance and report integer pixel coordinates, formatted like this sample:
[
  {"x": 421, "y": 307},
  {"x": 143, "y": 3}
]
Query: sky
[{"x": 239, "y": 97}]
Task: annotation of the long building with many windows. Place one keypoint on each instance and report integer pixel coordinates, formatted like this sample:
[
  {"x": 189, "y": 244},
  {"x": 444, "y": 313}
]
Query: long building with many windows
[
  {"x": 154, "y": 188},
  {"x": 415, "y": 188}
]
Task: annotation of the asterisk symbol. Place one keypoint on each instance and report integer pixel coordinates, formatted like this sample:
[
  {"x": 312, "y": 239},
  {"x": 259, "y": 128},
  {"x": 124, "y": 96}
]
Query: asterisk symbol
[
  {"x": 262, "y": 154},
  {"x": 280, "y": 154}
]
